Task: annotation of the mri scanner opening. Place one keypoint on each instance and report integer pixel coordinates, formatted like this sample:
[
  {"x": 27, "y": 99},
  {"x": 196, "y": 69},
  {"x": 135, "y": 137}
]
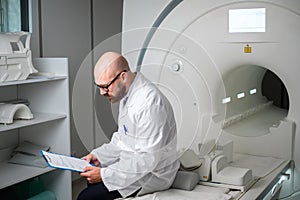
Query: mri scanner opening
[
  {"x": 274, "y": 90},
  {"x": 258, "y": 102}
]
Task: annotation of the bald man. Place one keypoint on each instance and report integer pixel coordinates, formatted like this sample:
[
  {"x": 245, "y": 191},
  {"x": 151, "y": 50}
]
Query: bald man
[{"x": 141, "y": 156}]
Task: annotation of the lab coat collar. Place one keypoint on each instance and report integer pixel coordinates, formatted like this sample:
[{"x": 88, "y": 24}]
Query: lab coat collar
[{"x": 131, "y": 88}]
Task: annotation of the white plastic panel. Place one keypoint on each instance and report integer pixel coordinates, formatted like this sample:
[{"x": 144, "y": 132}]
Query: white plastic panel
[{"x": 137, "y": 24}]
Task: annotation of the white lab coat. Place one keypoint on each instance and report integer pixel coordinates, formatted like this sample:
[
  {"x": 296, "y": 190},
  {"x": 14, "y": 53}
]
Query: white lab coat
[{"x": 142, "y": 153}]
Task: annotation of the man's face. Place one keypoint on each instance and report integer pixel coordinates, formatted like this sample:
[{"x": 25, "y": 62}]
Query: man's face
[
  {"x": 112, "y": 88},
  {"x": 117, "y": 93}
]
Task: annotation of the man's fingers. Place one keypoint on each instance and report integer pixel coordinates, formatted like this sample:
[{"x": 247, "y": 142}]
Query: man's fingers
[
  {"x": 85, "y": 172},
  {"x": 88, "y": 168},
  {"x": 87, "y": 158}
]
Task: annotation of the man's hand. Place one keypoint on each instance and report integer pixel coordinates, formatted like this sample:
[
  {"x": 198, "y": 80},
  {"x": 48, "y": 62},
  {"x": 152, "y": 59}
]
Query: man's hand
[
  {"x": 92, "y": 158},
  {"x": 92, "y": 174}
]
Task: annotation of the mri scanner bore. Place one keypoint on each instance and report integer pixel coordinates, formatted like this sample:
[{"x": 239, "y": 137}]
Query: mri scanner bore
[{"x": 268, "y": 110}]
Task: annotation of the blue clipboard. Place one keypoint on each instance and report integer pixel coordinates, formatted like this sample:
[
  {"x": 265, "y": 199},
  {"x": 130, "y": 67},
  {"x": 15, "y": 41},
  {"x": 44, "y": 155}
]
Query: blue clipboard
[{"x": 64, "y": 162}]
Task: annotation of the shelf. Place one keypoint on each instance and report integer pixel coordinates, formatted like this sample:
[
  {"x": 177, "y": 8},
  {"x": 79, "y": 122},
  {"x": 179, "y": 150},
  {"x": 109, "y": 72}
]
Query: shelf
[
  {"x": 32, "y": 80},
  {"x": 48, "y": 95},
  {"x": 38, "y": 119},
  {"x": 12, "y": 173}
]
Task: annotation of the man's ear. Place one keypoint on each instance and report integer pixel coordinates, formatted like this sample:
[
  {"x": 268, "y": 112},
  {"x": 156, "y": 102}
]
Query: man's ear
[{"x": 123, "y": 75}]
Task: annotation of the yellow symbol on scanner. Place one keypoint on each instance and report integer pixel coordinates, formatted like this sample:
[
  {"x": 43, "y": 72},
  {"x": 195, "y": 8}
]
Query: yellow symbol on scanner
[{"x": 247, "y": 49}]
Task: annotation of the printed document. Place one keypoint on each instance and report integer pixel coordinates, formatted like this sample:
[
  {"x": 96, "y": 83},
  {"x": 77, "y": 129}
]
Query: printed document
[{"x": 64, "y": 162}]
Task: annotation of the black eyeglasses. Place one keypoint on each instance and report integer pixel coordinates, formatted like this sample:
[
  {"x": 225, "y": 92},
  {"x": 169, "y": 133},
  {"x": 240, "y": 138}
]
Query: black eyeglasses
[{"x": 105, "y": 87}]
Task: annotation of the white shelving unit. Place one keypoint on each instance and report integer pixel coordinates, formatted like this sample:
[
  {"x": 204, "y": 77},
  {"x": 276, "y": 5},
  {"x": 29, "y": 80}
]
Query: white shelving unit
[{"x": 49, "y": 103}]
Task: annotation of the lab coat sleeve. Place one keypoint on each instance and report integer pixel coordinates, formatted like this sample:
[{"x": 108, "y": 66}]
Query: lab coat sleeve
[
  {"x": 109, "y": 153},
  {"x": 151, "y": 147}
]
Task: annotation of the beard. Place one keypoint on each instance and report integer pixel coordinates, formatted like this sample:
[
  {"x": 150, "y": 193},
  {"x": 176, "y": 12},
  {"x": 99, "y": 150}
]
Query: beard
[{"x": 118, "y": 93}]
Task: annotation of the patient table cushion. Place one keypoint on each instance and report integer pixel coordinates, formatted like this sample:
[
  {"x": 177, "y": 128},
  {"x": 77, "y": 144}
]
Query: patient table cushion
[
  {"x": 189, "y": 160},
  {"x": 223, "y": 173},
  {"x": 185, "y": 180}
]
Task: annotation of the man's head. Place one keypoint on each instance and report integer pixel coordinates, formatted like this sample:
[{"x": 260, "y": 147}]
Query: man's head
[{"x": 113, "y": 76}]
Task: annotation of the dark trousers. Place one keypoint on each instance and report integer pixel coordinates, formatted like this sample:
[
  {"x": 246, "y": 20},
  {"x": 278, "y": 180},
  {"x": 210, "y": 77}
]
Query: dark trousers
[{"x": 98, "y": 191}]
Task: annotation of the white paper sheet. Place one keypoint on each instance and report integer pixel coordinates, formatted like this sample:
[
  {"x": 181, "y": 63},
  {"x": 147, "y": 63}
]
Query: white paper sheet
[{"x": 64, "y": 162}]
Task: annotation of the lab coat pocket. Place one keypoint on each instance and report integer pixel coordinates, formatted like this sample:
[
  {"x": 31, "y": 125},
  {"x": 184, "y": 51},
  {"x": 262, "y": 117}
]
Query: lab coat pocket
[{"x": 127, "y": 130}]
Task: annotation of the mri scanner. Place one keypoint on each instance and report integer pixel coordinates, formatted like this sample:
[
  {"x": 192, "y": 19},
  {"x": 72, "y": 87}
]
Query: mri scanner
[{"x": 230, "y": 70}]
